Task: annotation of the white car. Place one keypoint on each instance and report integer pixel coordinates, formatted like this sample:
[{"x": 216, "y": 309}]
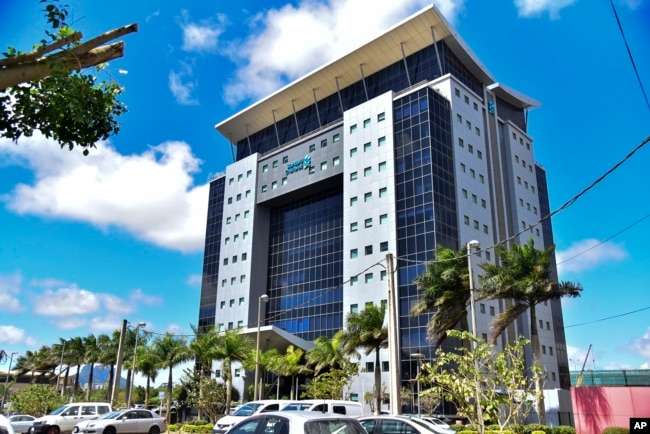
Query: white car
[
  {"x": 21, "y": 422},
  {"x": 298, "y": 422},
  {"x": 401, "y": 424},
  {"x": 248, "y": 409},
  {"x": 5, "y": 426},
  {"x": 436, "y": 421},
  {"x": 131, "y": 421}
]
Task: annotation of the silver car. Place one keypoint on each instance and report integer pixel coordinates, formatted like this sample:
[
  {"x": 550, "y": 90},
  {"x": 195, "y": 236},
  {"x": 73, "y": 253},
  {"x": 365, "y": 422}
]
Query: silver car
[
  {"x": 21, "y": 422},
  {"x": 401, "y": 424},
  {"x": 132, "y": 421},
  {"x": 297, "y": 422}
]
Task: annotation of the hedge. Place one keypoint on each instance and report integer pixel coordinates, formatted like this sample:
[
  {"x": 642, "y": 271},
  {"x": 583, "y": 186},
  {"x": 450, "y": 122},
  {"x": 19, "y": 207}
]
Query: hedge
[{"x": 616, "y": 430}]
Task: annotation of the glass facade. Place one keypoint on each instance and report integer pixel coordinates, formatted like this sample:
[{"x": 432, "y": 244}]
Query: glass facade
[
  {"x": 426, "y": 203},
  {"x": 509, "y": 112},
  {"x": 306, "y": 266},
  {"x": 422, "y": 65},
  {"x": 209, "y": 284}
]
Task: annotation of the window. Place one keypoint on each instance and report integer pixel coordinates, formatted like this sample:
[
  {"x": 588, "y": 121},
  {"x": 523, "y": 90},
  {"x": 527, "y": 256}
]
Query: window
[
  {"x": 264, "y": 189},
  {"x": 482, "y": 308},
  {"x": 244, "y": 256},
  {"x": 484, "y": 336},
  {"x": 382, "y": 275},
  {"x": 472, "y": 173},
  {"x": 353, "y": 201},
  {"x": 466, "y": 100},
  {"x": 367, "y": 197},
  {"x": 381, "y": 142},
  {"x": 382, "y": 166},
  {"x": 241, "y": 301},
  {"x": 284, "y": 181},
  {"x": 485, "y": 229},
  {"x": 248, "y": 193},
  {"x": 381, "y": 116},
  {"x": 221, "y": 327},
  {"x": 368, "y": 223},
  {"x": 237, "y": 216},
  {"x": 543, "y": 349},
  {"x": 226, "y": 241},
  {"x": 354, "y": 253},
  {"x": 285, "y": 159},
  {"x": 275, "y": 163},
  {"x": 353, "y": 152},
  {"x": 249, "y": 173},
  {"x": 475, "y": 106},
  {"x": 368, "y": 250},
  {"x": 229, "y": 200},
  {"x": 240, "y": 324},
  {"x": 323, "y": 143},
  {"x": 353, "y": 128},
  {"x": 231, "y": 180},
  {"x": 233, "y": 280},
  {"x": 383, "y": 191},
  {"x": 541, "y": 324},
  {"x": 222, "y": 305},
  {"x": 384, "y": 366},
  {"x": 368, "y": 277},
  {"x": 470, "y": 148},
  {"x": 223, "y": 283},
  {"x": 462, "y": 167},
  {"x": 383, "y": 246},
  {"x": 479, "y": 154},
  {"x": 225, "y": 261},
  {"x": 474, "y": 198},
  {"x": 477, "y": 130},
  {"x": 246, "y": 214},
  {"x": 354, "y": 281},
  {"x": 461, "y": 142},
  {"x": 366, "y": 147},
  {"x": 469, "y": 125},
  {"x": 366, "y": 123},
  {"x": 353, "y": 176},
  {"x": 464, "y": 192},
  {"x": 550, "y": 350},
  {"x": 466, "y": 220},
  {"x": 487, "y": 255},
  {"x": 383, "y": 219},
  {"x": 274, "y": 185},
  {"x": 459, "y": 118},
  {"x": 367, "y": 171},
  {"x": 483, "y": 203},
  {"x": 354, "y": 226},
  {"x": 228, "y": 220},
  {"x": 312, "y": 147},
  {"x": 336, "y": 138},
  {"x": 370, "y": 367},
  {"x": 336, "y": 161},
  {"x": 491, "y": 310},
  {"x": 242, "y": 278},
  {"x": 354, "y": 308},
  {"x": 457, "y": 92},
  {"x": 231, "y": 303},
  {"x": 237, "y": 372},
  {"x": 548, "y": 325},
  {"x": 553, "y": 376},
  {"x": 482, "y": 179},
  {"x": 323, "y": 165}
]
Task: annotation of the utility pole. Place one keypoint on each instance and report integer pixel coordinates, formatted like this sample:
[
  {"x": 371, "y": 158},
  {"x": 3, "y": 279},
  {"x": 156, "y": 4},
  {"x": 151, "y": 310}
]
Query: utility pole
[
  {"x": 393, "y": 340},
  {"x": 118, "y": 366}
]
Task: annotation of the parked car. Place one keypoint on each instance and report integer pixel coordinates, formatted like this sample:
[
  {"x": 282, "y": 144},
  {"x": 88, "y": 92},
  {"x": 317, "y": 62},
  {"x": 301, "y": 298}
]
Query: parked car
[
  {"x": 5, "y": 426},
  {"x": 21, "y": 422},
  {"x": 131, "y": 421},
  {"x": 248, "y": 409},
  {"x": 401, "y": 424},
  {"x": 436, "y": 421},
  {"x": 298, "y": 422},
  {"x": 64, "y": 418},
  {"x": 348, "y": 408},
  {"x": 112, "y": 415}
]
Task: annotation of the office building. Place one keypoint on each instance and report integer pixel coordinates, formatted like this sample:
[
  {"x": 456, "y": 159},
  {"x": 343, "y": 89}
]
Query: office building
[{"x": 404, "y": 144}]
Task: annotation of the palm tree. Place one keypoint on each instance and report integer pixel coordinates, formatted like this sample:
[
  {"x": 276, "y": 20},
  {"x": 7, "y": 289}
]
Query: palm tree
[
  {"x": 232, "y": 347},
  {"x": 290, "y": 365},
  {"x": 108, "y": 356},
  {"x": 92, "y": 354},
  {"x": 34, "y": 362},
  {"x": 147, "y": 364},
  {"x": 327, "y": 353},
  {"x": 172, "y": 351},
  {"x": 75, "y": 354},
  {"x": 445, "y": 290},
  {"x": 204, "y": 349},
  {"x": 524, "y": 276},
  {"x": 365, "y": 330}
]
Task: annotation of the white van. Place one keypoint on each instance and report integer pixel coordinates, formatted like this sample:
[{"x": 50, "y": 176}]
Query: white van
[
  {"x": 63, "y": 419},
  {"x": 248, "y": 409},
  {"x": 348, "y": 408}
]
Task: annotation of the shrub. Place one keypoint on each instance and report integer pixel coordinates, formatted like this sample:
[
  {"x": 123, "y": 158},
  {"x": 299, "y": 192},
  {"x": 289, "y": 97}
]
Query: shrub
[
  {"x": 616, "y": 430},
  {"x": 531, "y": 428},
  {"x": 517, "y": 428},
  {"x": 458, "y": 428},
  {"x": 174, "y": 427},
  {"x": 197, "y": 429},
  {"x": 539, "y": 432},
  {"x": 493, "y": 427},
  {"x": 564, "y": 429},
  {"x": 197, "y": 422}
]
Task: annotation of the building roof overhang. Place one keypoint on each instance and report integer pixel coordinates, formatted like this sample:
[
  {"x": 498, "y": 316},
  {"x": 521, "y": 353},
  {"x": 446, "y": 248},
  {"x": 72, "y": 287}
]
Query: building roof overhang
[
  {"x": 512, "y": 96},
  {"x": 407, "y": 37},
  {"x": 274, "y": 337}
]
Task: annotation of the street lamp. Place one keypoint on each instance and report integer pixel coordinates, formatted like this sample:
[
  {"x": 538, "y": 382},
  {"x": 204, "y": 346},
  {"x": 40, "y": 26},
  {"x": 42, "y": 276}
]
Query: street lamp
[
  {"x": 479, "y": 410},
  {"x": 135, "y": 353},
  {"x": 58, "y": 380},
  {"x": 257, "y": 389},
  {"x": 4, "y": 393},
  {"x": 418, "y": 357}
]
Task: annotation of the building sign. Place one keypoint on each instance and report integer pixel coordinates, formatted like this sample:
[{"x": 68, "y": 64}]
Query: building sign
[
  {"x": 491, "y": 107},
  {"x": 303, "y": 164}
]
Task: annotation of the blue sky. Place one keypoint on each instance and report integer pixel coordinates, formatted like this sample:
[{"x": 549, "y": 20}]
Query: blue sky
[{"x": 89, "y": 241}]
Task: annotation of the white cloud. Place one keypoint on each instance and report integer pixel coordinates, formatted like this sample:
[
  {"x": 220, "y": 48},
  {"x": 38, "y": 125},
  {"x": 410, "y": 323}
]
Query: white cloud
[
  {"x": 151, "y": 195},
  {"x": 588, "y": 254},
  {"x": 641, "y": 345},
  {"x": 66, "y": 301},
  {"x": 533, "y": 8},
  {"x": 194, "y": 280},
  {"x": 182, "y": 88},
  {"x": 139, "y": 297},
  {"x": 10, "y": 285},
  {"x": 202, "y": 36},
  {"x": 114, "y": 304},
  {"x": 70, "y": 322},
  {"x": 105, "y": 324},
  {"x": 13, "y": 335},
  {"x": 288, "y": 42}
]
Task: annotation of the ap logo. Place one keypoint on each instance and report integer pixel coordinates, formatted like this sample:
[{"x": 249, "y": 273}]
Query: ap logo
[{"x": 640, "y": 425}]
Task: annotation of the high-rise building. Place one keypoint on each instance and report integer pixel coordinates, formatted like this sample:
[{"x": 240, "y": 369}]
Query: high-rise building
[{"x": 404, "y": 144}]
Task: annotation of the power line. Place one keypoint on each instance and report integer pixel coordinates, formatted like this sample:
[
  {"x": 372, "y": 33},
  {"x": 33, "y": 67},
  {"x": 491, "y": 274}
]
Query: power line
[{"x": 608, "y": 318}]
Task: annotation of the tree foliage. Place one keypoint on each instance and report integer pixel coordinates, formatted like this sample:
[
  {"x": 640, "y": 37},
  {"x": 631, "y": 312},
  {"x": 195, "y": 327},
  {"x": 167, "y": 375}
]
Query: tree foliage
[
  {"x": 46, "y": 90},
  {"x": 333, "y": 383},
  {"x": 37, "y": 400}
]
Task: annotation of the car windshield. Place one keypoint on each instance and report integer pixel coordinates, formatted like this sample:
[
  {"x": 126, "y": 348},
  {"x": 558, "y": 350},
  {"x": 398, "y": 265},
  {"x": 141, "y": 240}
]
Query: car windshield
[
  {"x": 60, "y": 410},
  {"x": 297, "y": 406},
  {"x": 333, "y": 426},
  {"x": 428, "y": 425},
  {"x": 111, "y": 415},
  {"x": 247, "y": 409}
]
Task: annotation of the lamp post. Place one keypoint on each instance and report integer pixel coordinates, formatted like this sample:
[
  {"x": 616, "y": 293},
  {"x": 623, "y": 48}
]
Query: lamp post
[
  {"x": 4, "y": 393},
  {"x": 257, "y": 389},
  {"x": 135, "y": 353},
  {"x": 418, "y": 357},
  {"x": 479, "y": 410}
]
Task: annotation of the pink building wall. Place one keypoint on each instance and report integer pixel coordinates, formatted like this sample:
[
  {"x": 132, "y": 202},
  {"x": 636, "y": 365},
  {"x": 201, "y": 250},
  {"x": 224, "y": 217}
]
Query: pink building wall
[{"x": 596, "y": 408}]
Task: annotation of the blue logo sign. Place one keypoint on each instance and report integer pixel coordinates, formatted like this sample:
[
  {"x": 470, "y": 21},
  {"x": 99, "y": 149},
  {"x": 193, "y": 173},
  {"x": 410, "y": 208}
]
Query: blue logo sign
[
  {"x": 303, "y": 164},
  {"x": 491, "y": 107}
]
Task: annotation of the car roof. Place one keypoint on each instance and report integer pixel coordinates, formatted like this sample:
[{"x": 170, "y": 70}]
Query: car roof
[{"x": 307, "y": 415}]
